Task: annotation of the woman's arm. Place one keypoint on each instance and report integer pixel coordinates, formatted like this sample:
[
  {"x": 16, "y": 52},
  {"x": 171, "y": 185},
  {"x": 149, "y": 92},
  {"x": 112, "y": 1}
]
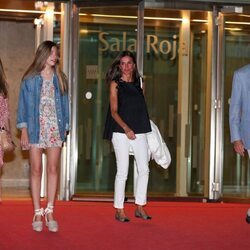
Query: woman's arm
[
  {"x": 66, "y": 111},
  {"x": 22, "y": 118},
  {"x": 113, "y": 99},
  {"x": 21, "y": 121}
]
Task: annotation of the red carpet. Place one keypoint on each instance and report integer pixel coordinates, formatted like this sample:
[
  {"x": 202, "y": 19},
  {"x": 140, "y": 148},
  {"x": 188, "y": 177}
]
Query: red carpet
[{"x": 91, "y": 225}]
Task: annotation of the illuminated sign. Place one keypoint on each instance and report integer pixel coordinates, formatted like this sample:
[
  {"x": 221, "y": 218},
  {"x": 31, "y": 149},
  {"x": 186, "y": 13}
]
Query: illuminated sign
[{"x": 153, "y": 43}]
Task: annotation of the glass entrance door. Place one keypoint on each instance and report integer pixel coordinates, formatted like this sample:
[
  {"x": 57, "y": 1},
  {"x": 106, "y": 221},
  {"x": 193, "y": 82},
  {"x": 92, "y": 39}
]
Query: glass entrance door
[
  {"x": 175, "y": 66},
  {"x": 103, "y": 32},
  {"x": 236, "y": 171},
  {"x": 174, "y": 62},
  {"x": 198, "y": 104}
]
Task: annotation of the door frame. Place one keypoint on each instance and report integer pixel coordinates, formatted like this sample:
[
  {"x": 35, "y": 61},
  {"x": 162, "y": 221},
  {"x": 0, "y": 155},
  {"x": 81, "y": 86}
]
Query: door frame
[
  {"x": 213, "y": 137},
  {"x": 74, "y": 38}
]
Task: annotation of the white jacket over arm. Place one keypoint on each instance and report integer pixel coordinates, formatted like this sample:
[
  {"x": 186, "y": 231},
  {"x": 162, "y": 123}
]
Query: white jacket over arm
[{"x": 157, "y": 147}]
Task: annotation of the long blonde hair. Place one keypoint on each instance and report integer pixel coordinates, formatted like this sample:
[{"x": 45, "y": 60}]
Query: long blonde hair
[
  {"x": 42, "y": 53},
  {"x": 3, "y": 82}
]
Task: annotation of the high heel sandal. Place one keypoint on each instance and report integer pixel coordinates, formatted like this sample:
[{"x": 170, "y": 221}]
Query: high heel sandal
[
  {"x": 51, "y": 224},
  {"x": 142, "y": 215},
  {"x": 38, "y": 225}
]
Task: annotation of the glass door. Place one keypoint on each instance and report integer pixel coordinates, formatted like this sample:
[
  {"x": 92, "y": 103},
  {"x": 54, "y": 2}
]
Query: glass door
[
  {"x": 174, "y": 68},
  {"x": 197, "y": 104},
  {"x": 103, "y": 33},
  {"x": 176, "y": 88},
  {"x": 161, "y": 44},
  {"x": 236, "y": 172}
]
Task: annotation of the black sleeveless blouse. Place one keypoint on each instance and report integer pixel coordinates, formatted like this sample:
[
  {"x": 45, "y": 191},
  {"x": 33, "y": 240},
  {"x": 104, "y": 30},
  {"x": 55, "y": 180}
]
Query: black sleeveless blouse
[{"x": 132, "y": 109}]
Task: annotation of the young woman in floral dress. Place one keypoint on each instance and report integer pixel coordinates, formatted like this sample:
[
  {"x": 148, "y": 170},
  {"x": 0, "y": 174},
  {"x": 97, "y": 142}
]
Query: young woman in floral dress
[{"x": 43, "y": 118}]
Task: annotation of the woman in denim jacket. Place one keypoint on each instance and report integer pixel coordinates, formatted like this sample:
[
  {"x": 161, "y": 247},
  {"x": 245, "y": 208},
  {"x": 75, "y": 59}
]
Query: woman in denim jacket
[{"x": 43, "y": 118}]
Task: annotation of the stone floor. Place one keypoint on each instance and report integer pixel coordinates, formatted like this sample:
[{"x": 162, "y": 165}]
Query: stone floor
[{"x": 14, "y": 193}]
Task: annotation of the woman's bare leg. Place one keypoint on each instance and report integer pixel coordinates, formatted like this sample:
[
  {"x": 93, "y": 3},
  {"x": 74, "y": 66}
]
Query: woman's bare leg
[
  {"x": 53, "y": 162},
  {"x": 36, "y": 174}
]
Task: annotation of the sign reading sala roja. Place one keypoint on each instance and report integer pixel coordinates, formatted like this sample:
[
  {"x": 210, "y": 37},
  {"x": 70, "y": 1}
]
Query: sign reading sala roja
[{"x": 153, "y": 43}]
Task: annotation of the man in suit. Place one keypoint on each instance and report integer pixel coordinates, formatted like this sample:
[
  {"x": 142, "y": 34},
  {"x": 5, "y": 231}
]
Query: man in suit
[{"x": 239, "y": 115}]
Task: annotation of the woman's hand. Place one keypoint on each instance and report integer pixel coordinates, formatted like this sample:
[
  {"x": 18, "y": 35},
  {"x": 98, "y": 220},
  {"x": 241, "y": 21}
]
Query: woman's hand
[
  {"x": 130, "y": 133},
  {"x": 24, "y": 139},
  {"x": 113, "y": 98}
]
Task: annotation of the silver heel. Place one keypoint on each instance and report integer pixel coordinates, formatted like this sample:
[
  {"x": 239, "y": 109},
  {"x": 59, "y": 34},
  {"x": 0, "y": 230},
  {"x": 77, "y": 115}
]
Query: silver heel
[
  {"x": 121, "y": 217},
  {"x": 38, "y": 225},
  {"x": 142, "y": 215},
  {"x": 51, "y": 224}
]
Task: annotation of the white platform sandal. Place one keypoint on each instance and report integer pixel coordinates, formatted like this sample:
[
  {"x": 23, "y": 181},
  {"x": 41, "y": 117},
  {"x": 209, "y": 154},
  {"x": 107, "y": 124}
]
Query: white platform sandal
[
  {"x": 38, "y": 225},
  {"x": 51, "y": 224}
]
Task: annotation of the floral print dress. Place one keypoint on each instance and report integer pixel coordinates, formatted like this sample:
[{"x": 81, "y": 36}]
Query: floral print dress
[
  {"x": 49, "y": 132},
  {"x": 4, "y": 119}
]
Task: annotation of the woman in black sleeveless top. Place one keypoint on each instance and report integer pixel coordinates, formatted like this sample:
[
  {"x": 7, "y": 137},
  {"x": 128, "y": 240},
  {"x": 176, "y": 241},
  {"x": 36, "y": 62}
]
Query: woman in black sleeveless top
[{"x": 126, "y": 125}]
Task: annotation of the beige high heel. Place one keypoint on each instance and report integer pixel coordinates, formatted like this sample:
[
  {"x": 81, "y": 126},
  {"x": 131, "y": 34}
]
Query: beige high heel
[
  {"x": 51, "y": 224},
  {"x": 38, "y": 225}
]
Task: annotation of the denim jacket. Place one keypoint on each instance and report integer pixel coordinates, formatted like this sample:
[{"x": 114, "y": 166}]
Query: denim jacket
[{"x": 28, "y": 108}]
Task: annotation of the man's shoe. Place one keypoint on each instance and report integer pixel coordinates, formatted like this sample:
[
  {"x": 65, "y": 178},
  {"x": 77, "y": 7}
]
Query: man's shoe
[{"x": 248, "y": 219}]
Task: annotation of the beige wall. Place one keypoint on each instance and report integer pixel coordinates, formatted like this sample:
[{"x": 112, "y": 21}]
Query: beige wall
[{"x": 17, "y": 46}]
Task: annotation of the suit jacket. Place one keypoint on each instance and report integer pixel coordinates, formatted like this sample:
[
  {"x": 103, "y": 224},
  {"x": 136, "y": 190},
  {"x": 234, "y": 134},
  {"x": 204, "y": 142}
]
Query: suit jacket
[{"x": 239, "y": 113}]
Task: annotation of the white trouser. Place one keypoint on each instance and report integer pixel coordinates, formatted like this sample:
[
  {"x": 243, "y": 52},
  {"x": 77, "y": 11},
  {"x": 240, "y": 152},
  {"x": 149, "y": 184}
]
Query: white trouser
[{"x": 140, "y": 149}]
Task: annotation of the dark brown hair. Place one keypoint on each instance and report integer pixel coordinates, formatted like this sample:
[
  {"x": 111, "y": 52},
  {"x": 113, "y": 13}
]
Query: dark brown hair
[
  {"x": 3, "y": 82},
  {"x": 114, "y": 72}
]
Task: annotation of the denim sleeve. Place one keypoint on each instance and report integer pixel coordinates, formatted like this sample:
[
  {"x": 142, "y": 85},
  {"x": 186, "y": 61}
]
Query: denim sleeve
[
  {"x": 235, "y": 108},
  {"x": 21, "y": 110},
  {"x": 66, "y": 110}
]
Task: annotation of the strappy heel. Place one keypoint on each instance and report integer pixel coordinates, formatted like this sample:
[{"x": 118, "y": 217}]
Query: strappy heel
[
  {"x": 38, "y": 225},
  {"x": 51, "y": 224}
]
